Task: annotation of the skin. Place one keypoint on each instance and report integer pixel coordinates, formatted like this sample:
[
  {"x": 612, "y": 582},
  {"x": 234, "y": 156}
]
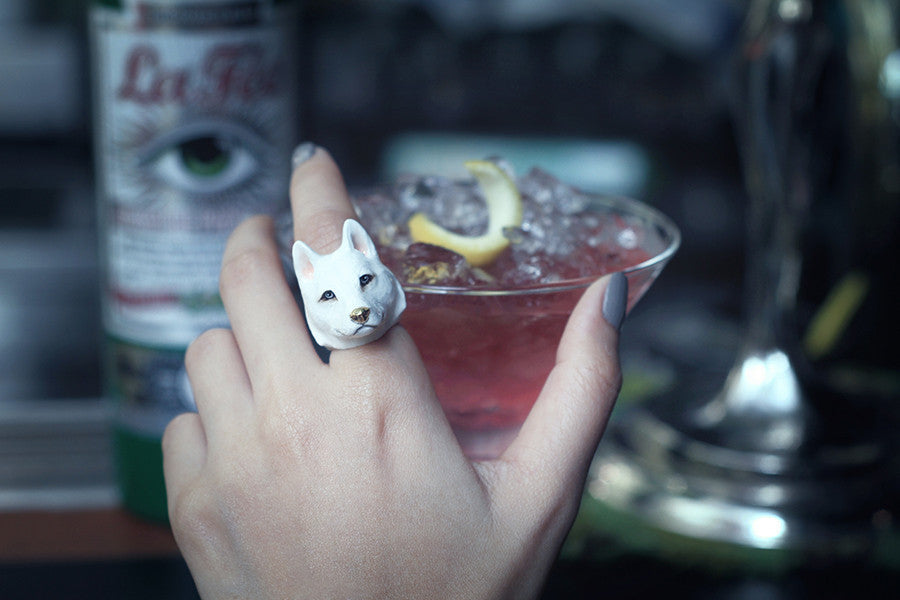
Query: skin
[{"x": 298, "y": 479}]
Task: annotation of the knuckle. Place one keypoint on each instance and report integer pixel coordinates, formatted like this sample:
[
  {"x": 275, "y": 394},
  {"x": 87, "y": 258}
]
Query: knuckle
[
  {"x": 173, "y": 429},
  {"x": 591, "y": 389},
  {"x": 194, "y": 518},
  {"x": 188, "y": 510},
  {"x": 595, "y": 377},
  {"x": 320, "y": 230},
  {"x": 288, "y": 434},
  {"x": 205, "y": 345},
  {"x": 240, "y": 267}
]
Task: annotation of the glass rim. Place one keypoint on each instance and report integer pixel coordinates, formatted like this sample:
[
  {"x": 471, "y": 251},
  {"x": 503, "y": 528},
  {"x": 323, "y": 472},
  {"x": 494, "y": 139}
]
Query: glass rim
[{"x": 624, "y": 204}]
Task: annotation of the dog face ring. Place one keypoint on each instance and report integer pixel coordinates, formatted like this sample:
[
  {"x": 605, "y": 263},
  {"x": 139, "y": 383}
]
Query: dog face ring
[{"x": 350, "y": 298}]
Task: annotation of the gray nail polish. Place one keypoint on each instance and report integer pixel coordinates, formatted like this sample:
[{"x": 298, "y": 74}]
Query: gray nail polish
[
  {"x": 302, "y": 153},
  {"x": 615, "y": 300}
]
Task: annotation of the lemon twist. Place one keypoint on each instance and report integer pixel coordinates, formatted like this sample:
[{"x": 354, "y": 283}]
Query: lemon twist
[{"x": 504, "y": 205}]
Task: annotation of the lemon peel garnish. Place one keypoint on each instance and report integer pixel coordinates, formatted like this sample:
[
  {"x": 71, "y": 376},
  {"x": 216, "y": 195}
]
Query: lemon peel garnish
[{"x": 504, "y": 206}]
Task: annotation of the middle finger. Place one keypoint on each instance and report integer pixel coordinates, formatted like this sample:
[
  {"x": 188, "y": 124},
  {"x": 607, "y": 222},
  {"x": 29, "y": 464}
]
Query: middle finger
[{"x": 319, "y": 199}]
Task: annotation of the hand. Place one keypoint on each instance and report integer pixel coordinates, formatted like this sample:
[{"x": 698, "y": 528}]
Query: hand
[{"x": 298, "y": 479}]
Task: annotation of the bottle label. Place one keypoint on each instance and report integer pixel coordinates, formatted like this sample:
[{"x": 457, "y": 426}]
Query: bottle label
[
  {"x": 195, "y": 120},
  {"x": 195, "y": 112}
]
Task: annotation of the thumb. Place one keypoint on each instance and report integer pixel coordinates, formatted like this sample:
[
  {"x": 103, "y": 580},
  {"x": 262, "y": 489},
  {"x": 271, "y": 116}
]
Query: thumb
[{"x": 561, "y": 433}]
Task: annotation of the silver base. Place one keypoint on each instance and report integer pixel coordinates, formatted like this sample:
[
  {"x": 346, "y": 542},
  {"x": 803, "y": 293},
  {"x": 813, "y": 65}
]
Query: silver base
[{"x": 693, "y": 463}]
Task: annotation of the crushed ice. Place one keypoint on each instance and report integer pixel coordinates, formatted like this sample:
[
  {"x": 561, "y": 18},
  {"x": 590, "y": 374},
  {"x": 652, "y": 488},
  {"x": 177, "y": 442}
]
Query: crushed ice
[{"x": 546, "y": 248}]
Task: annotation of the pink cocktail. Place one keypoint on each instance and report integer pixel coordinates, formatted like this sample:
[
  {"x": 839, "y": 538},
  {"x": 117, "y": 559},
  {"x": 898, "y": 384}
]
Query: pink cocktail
[{"x": 488, "y": 336}]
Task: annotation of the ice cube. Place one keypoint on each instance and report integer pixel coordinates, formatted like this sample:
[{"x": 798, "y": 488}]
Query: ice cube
[
  {"x": 380, "y": 214},
  {"x": 552, "y": 194},
  {"x": 456, "y": 205}
]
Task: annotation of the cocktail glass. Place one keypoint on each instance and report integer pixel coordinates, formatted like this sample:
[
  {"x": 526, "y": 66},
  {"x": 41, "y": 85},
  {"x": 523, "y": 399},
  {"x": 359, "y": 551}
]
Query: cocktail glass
[{"x": 489, "y": 348}]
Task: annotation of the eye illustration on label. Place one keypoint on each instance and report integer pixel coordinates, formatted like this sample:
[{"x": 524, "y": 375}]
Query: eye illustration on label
[{"x": 205, "y": 159}]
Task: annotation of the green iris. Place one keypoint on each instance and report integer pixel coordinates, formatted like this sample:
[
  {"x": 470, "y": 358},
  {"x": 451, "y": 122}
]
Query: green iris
[{"x": 204, "y": 156}]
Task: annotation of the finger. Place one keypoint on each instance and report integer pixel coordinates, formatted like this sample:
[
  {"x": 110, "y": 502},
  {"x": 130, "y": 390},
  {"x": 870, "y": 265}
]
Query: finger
[
  {"x": 319, "y": 199},
  {"x": 184, "y": 454},
  {"x": 391, "y": 370},
  {"x": 220, "y": 384},
  {"x": 387, "y": 392},
  {"x": 564, "y": 427},
  {"x": 266, "y": 321}
]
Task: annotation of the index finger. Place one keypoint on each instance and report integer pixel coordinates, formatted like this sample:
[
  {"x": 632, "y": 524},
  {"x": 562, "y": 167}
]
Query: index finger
[{"x": 319, "y": 200}]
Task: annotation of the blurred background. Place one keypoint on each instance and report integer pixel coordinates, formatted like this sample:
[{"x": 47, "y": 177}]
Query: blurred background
[{"x": 644, "y": 87}]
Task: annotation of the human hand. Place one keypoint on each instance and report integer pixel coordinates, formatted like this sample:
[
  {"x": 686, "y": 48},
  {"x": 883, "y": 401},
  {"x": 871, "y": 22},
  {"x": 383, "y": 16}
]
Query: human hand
[{"x": 298, "y": 479}]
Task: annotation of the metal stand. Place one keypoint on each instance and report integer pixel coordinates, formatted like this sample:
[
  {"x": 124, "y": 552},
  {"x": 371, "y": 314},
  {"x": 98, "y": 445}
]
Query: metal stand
[{"x": 775, "y": 459}]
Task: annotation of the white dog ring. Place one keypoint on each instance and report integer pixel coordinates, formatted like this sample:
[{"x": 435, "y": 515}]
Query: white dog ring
[{"x": 350, "y": 298}]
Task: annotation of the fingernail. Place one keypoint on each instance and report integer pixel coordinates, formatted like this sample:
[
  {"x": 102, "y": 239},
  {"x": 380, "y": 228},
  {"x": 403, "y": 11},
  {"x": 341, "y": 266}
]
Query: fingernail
[
  {"x": 302, "y": 153},
  {"x": 615, "y": 300}
]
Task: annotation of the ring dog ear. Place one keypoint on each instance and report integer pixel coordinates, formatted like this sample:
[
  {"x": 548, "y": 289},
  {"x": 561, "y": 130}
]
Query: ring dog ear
[
  {"x": 304, "y": 261},
  {"x": 355, "y": 236}
]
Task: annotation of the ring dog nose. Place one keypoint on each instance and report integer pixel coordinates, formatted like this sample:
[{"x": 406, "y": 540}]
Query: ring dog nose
[{"x": 359, "y": 315}]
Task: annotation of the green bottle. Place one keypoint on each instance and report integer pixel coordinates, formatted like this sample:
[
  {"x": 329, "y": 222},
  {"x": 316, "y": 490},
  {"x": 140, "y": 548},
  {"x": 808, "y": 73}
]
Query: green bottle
[{"x": 194, "y": 124}]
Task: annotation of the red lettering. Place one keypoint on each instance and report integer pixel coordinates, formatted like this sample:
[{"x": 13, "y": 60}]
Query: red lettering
[
  {"x": 229, "y": 72},
  {"x": 135, "y": 84},
  {"x": 146, "y": 82},
  {"x": 239, "y": 72}
]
